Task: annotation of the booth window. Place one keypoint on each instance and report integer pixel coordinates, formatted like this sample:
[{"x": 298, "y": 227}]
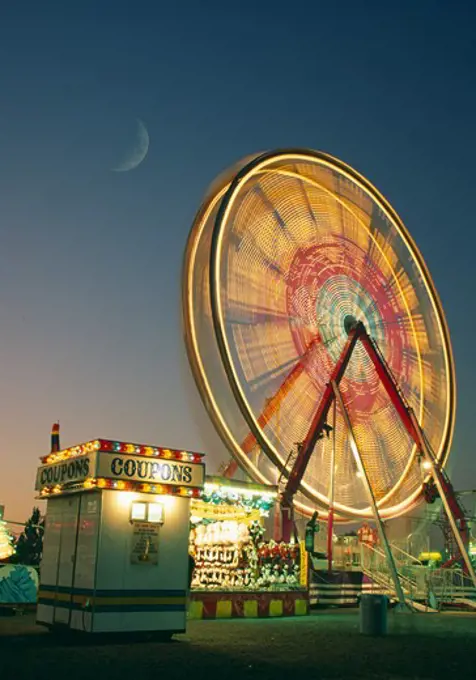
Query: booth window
[
  {"x": 155, "y": 513},
  {"x": 147, "y": 512},
  {"x": 139, "y": 512}
]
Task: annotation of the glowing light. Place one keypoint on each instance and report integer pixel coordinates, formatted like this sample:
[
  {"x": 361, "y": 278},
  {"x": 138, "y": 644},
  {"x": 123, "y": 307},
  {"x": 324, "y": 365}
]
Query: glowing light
[
  {"x": 6, "y": 542},
  {"x": 139, "y": 511},
  {"x": 107, "y": 445},
  {"x": 167, "y": 500},
  {"x": 155, "y": 513},
  {"x": 210, "y": 487},
  {"x": 246, "y": 498}
]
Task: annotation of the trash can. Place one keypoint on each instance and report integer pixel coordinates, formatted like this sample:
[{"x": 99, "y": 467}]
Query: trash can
[{"x": 373, "y": 614}]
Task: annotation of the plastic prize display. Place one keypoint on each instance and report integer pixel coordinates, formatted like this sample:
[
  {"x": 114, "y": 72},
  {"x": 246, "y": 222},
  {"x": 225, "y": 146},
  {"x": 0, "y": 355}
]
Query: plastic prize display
[
  {"x": 238, "y": 571},
  {"x": 292, "y": 253}
]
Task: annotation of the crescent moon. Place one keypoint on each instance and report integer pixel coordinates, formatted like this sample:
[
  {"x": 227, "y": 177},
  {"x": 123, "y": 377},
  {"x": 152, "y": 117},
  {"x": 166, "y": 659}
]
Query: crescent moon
[{"x": 138, "y": 152}]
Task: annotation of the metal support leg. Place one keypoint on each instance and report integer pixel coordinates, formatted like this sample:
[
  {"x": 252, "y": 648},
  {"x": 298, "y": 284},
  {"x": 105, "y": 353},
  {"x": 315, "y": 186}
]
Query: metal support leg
[
  {"x": 373, "y": 503},
  {"x": 287, "y": 522},
  {"x": 330, "y": 519}
]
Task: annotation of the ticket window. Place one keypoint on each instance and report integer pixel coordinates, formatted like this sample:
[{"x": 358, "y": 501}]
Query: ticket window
[{"x": 141, "y": 511}]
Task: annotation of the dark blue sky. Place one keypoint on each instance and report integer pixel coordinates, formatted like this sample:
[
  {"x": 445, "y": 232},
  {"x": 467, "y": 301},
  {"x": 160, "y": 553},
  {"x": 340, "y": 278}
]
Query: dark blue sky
[{"x": 90, "y": 260}]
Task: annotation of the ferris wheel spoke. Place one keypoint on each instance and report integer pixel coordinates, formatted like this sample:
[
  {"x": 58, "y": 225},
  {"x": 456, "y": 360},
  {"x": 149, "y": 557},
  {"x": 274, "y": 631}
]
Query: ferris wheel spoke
[
  {"x": 303, "y": 188},
  {"x": 298, "y": 363},
  {"x": 271, "y": 208},
  {"x": 393, "y": 322},
  {"x": 328, "y": 342},
  {"x": 371, "y": 308},
  {"x": 235, "y": 304},
  {"x": 256, "y": 316},
  {"x": 274, "y": 373},
  {"x": 263, "y": 258},
  {"x": 276, "y": 400}
]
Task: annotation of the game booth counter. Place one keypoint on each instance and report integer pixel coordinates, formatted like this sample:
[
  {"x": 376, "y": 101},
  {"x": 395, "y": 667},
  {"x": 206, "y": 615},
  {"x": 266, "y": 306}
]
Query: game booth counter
[{"x": 239, "y": 572}]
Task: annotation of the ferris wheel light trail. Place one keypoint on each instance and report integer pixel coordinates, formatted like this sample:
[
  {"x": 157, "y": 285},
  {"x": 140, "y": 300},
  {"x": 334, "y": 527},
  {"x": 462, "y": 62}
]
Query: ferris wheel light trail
[
  {"x": 273, "y": 402},
  {"x": 292, "y": 244}
]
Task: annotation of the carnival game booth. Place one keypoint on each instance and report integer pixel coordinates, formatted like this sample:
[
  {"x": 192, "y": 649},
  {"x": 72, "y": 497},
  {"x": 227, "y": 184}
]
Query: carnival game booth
[
  {"x": 238, "y": 571},
  {"x": 115, "y": 554}
]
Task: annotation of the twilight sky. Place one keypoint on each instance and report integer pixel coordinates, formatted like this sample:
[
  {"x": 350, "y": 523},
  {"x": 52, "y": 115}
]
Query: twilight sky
[{"x": 90, "y": 260}]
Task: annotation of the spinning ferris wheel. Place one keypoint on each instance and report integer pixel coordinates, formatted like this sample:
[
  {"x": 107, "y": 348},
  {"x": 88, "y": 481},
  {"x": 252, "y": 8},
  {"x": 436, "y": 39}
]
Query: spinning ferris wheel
[{"x": 317, "y": 339}]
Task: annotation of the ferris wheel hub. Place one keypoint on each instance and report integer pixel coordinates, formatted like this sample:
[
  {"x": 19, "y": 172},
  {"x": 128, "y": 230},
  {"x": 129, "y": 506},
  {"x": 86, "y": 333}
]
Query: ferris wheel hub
[{"x": 350, "y": 323}]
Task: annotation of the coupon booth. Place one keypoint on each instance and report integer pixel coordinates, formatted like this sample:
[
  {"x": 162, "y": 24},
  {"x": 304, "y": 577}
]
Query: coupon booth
[{"x": 115, "y": 554}]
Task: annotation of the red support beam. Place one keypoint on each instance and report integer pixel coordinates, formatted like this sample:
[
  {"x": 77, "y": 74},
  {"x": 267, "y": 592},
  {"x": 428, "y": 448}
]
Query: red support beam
[
  {"x": 407, "y": 417},
  {"x": 415, "y": 432},
  {"x": 302, "y": 460},
  {"x": 389, "y": 383}
]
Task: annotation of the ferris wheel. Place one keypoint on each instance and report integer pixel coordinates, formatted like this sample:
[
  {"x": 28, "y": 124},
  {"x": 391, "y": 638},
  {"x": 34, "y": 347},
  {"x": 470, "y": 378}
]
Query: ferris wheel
[{"x": 289, "y": 254}]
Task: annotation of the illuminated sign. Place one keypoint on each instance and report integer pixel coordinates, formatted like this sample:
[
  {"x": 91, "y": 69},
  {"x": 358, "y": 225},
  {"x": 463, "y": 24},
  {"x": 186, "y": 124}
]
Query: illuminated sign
[
  {"x": 158, "y": 471},
  {"x": 96, "y": 467},
  {"x": 120, "y": 467},
  {"x": 67, "y": 472}
]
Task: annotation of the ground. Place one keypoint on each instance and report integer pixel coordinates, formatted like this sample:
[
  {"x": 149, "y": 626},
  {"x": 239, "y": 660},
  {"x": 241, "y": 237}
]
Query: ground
[{"x": 327, "y": 645}]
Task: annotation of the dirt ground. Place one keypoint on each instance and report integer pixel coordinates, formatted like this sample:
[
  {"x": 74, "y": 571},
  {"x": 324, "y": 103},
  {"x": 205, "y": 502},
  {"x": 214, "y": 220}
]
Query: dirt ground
[{"x": 323, "y": 646}]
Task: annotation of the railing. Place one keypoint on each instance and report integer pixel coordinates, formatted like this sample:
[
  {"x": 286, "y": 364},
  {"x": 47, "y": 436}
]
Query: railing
[
  {"x": 449, "y": 584},
  {"x": 402, "y": 558},
  {"x": 419, "y": 583},
  {"x": 375, "y": 565}
]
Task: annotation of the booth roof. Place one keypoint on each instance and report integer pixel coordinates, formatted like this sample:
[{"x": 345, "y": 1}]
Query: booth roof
[
  {"x": 224, "y": 482},
  {"x": 114, "y": 446}
]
